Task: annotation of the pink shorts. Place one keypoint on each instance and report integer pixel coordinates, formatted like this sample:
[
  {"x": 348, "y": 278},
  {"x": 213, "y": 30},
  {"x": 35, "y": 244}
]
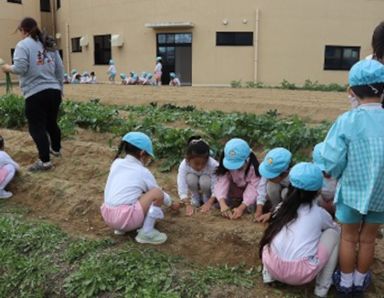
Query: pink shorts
[
  {"x": 123, "y": 217},
  {"x": 3, "y": 173},
  {"x": 158, "y": 75},
  {"x": 296, "y": 272}
]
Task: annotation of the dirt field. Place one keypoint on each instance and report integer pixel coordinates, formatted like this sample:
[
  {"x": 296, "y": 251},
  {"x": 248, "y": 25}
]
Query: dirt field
[
  {"x": 72, "y": 193},
  {"x": 316, "y": 106}
]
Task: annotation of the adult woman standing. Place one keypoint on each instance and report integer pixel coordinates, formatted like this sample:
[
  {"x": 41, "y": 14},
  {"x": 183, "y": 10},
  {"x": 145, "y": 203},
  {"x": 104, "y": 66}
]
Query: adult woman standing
[{"x": 41, "y": 72}]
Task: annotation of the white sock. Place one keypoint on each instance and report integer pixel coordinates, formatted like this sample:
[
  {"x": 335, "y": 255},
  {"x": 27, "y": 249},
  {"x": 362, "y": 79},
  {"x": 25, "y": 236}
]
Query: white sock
[
  {"x": 167, "y": 200},
  {"x": 153, "y": 214},
  {"x": 346, "y": 279},
  {"x": 358, "y": 278}
]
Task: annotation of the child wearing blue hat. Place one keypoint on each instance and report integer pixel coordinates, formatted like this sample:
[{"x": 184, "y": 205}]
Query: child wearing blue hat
[
  {"x": 301, "y": 241},
  {"x": 158, "y": 71},
  {"x": 239, "y": 184},
  {"x": 173, "y": 80},
  {"x": 111, "y": 71},
  {"x": 275, "y": 168},
  {"x": 132, "y": 198},
  {"x": 354, "y": 154},
  {"x": 124, "y": 79},
  {"x": 133, "y": 78},
  {"x": 196, "y": 176},
  {"x": 327, "y": 193}
]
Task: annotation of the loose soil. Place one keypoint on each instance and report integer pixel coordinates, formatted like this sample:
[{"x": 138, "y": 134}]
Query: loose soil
[{"x": 71, "y": 194}]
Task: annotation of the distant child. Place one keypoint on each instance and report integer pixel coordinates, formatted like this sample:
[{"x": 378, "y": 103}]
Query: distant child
[
  {"x": 124, "y": 79},
  {"x": 132, "y": 198},
  {"x": 93, "y": 78},
  {"x": 275, "y": 168},
  {"x": 148, "y": 79},
  {"x": 8, "y": 169},
  {"x": 111, "y": 71},
  {"x": 66, "y": 79},
  {"x": 74, "y": 73},
  {"x": 158, "y": 71},
  {"x": 301, "y": 241},
  {"x": 239, "y": 184},
  {"x": 142, "y": 78},
  {"x": 174, "y": 81},
  {"x": 328, "y": 190},
  {"x": 353, "y": 153},
  {"x": 76, "y": 79},
  {"x": 133, "y": 78},
  {"x": 85, "y": 78},
  {"x": 196, "y": 176}
]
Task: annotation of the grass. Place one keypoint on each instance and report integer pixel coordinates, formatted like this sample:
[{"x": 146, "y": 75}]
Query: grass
[{"x": 40, "y": 260}]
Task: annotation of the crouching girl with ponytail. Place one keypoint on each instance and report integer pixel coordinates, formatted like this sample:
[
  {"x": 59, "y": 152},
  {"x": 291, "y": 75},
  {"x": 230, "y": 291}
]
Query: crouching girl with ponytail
[
  {"x": 132, "y": 198},
  {"x": 301, "y": 242},
  {"x": 239, "y": 185}
]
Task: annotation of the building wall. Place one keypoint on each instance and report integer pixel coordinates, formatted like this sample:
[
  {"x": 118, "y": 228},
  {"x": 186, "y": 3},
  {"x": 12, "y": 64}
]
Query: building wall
[
  {"x": 289, "y": 45},
  {"x": 10, "y": 16}
]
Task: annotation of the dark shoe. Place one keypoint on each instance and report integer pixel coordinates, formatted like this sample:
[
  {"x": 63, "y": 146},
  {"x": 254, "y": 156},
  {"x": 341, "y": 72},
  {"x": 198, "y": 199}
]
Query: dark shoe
[
  {"x": 341, "y": 292},
  {"x": 40, "y": 166},
  {"x": 358, "y": 291}
]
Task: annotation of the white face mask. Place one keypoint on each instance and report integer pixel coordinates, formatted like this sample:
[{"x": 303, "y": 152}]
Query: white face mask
[{"x": 353, "y": 101}]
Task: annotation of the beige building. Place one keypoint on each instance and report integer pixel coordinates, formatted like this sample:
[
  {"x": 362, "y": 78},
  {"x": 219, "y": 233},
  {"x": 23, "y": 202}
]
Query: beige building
[{"x": 209, "y": 42}]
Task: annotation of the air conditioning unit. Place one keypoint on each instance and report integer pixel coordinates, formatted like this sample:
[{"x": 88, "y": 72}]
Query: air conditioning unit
[
  {"x": 84, "y": 41},
  {"x": 117, "y": 40}
]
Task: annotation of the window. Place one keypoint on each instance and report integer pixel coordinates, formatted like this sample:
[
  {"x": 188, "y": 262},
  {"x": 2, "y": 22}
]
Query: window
[
  {"x": 340, "y": 58},
  {"x": 234, "y": 38},
  {"x": 14, "y": 1},
  {"x": 58, "y": 4},
  {"x": 102, "y": 49},
  {"x": 174, "y": 38},
  {"x": 76, "y": 45},
  {"x": 61, "y": 54},
  {"x": 12, "y": 52},
  {"x": 45, "y": 5}
]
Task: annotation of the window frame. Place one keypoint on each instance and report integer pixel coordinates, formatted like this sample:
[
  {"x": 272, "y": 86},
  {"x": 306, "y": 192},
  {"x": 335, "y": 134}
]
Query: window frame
[
  {"x": 342, "y": 58},
  {"x": 236, "y": 39},
  {"x": 78, "y": 48},
  {"x": 45, "y": 9},
  {"x": 58, "y": 4},
  {"x": 105, "y": 49}
]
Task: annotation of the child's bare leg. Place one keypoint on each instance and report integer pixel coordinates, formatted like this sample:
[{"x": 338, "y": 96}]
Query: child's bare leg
[
  {"x": 349, "y": 240},
  {"x": 366, "y": 246},
  {"x": 155, "y": 196}
]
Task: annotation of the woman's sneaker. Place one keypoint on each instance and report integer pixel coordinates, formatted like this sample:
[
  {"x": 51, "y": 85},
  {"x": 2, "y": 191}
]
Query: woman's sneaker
[
  {"x": 40, "y": 166},
  {"x": 55, "y": 153},
  {"x": 342, "y": 292},
  {"x": 5, "y": 194},
  {"x": 358, "y": 291},
  {"x": 154, "y": 237}
]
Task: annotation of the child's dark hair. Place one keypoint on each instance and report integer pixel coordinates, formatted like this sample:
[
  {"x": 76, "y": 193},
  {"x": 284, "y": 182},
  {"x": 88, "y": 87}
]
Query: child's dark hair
[
  {"x": 92, "y": 73},
  {"x": 128, "y": 148},
  {"x": 369, "y": 91},
  {"x": 197, "y": 147},
  {"x": 1, "y": 142},
  {"x": 221, "y": 170},
  {"x": 286, "y": 213},
  {"x": 378, "y": 41},
  {"x": 29, "y": 25}
]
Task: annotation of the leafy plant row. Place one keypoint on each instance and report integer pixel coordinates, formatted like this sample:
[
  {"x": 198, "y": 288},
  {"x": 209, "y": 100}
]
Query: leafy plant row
[
  {"x": 308, "y": 85},
  {"x": 171, "y": 126}
]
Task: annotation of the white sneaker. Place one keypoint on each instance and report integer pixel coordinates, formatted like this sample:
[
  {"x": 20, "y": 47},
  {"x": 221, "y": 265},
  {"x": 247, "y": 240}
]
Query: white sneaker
[
  {"x": 119, "y": 232},
  {"x": 267, "y": 278},
  {"x": 5, "y": 194},
  {"x": 321, "y": 291},
  {"x": 154, "y": 237}
]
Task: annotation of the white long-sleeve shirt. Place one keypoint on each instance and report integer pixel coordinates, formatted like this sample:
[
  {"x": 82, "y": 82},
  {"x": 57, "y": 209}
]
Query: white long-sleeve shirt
[
  {"x": 300, "y": 238},
  {"x": 5, "y": 159},
  {"x": 127, "y": 181},
  {"x": 185, "y": 168}
]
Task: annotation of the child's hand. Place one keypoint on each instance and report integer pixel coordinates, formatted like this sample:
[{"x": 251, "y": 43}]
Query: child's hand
[
  {"x": 206, "y": 207},
  {"x": 175, "y": 206},
  {"x": 239, "y": 211},
  {"x": 225, "y": 210},
  {"x": 189, "y": 210},
  {"x": 263, "y": 218}
]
